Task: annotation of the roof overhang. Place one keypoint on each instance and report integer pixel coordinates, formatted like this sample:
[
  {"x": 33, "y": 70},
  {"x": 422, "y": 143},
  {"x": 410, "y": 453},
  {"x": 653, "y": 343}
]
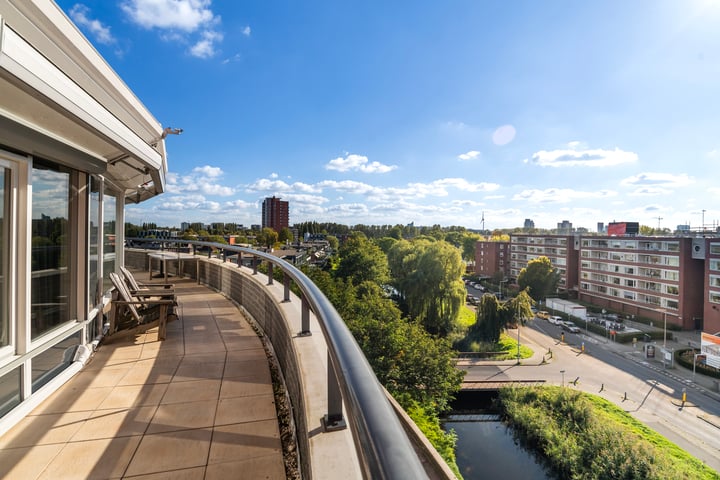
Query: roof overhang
[{"x": 81, "y": 115}]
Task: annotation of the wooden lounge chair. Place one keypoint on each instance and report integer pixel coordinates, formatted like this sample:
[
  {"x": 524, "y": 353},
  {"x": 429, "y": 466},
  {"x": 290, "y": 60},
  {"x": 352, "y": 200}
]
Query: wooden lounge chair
[
  {"x": 137, "y": 313},
  {"x": 135, "y": 286}
]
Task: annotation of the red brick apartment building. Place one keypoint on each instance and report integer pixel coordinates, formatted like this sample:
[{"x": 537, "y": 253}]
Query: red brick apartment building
[
  {"x": 491, "y": 258},
  {"x": 659, "y": 278},
  {"x": 666, "y": 279},
  {"x": 711, "y": 293},
  {"x": 562, "y": 250},
  {"x": 275, "y": 214}
]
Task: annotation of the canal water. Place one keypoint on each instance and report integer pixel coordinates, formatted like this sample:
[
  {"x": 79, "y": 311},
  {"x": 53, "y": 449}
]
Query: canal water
[{"x": 485, "y": 446}]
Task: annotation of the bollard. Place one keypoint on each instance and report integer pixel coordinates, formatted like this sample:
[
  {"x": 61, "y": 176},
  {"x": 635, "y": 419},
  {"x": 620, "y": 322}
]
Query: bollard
[
  {"x": 684, "y": 396},
  {"x": 582, "y": 349},
  {"x": 562, "y": 338}
]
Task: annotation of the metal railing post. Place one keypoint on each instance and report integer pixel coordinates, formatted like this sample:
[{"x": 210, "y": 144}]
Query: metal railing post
[
  {"x": 255, "y": 265},
  {"x": 270, "y": 274},
  {"x": 286, "y": 289},
  {"x": 224, "y": 255},
  {"x": 239, "y": 259},
  {"x": 305, "y": 317},
  {"x": 333, "y": 420}
]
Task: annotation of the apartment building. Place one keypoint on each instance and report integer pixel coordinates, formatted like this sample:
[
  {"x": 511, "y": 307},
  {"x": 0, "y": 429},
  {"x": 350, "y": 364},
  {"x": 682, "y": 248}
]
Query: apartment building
[
  {"x": 711, "y": 293},
  {"x": 491, "y": 258},
  {"x": 660, "y": 278},
  {"x": 275, "y": 214},
  {"x": 562, "y": 250}
]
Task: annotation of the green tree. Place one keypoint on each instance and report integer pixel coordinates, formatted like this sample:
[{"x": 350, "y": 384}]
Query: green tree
[
  {"x": 361, "y": 260},
  {"x": 491, "y": 321},
  {"x": 333, "y": 242},
  {"x": 469, "y": 242},
  {"x": 428, "y": 276},
  {"x": 267, "y": 237},
  {"x": 519, "y": 307},
  {"x": 285, "y": 235},
  {"x": 539, "y": 277}
]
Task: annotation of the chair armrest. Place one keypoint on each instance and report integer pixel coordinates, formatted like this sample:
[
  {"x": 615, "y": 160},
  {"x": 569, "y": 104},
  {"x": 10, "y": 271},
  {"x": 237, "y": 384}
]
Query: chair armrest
[
  {"x": 157, "y": 285},
  {"x": 160, "y": 301},
  {"x": 152, "y": 293}
]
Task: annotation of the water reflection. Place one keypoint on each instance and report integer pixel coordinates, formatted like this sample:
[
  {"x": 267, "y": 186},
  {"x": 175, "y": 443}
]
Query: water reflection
[{"x": 487, "y": 449}]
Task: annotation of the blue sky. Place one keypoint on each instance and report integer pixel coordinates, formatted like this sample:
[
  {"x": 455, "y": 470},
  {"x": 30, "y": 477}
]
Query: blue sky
[{"x": 427, "y": 112}]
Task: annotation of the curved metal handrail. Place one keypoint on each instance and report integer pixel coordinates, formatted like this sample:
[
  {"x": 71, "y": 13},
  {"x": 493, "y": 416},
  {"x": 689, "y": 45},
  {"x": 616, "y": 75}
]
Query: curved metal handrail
[{"x": 382, "y": 443}]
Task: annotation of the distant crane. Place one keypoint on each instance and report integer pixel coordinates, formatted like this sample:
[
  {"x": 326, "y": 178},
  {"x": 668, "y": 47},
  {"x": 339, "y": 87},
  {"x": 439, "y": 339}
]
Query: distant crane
[{"x": 658, "y": 219}]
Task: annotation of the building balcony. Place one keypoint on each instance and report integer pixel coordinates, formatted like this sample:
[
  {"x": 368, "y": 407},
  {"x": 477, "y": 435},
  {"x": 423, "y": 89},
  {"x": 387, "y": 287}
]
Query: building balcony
[{"x": 204, "y": 403}]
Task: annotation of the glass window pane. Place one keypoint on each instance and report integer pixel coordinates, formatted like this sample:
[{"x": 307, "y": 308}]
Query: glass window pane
[
  {"x": 9, "y": 391},
  {"x": 50, "y": 249},
  {"x": 93, "y": 229},
  {"x": 52, "y": 361},
  {"x": 4, "y": 248},
  {"x": 109, "y": 239}
]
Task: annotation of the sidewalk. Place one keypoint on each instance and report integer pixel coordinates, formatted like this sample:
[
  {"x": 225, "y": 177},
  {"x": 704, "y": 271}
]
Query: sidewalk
[{"x": 675, "y": 340}]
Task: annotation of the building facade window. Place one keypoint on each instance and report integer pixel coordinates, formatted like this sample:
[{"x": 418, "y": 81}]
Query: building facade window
[
  {"x": 5, "y": 202},
  {"x": 50, "y": 257},
  {"x": 109, "y": 235}
]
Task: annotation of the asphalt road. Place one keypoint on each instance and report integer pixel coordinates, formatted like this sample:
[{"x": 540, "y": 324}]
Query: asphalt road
[{"x": 643, "y": 388}]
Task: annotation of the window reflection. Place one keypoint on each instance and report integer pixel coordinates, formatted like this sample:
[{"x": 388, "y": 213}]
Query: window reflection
[
  {"x": 50, "y": 248},
  {"x": 108, "y": 239},
  {"x": 93, "y": 229},
  {"x": 4, "y": 248}
]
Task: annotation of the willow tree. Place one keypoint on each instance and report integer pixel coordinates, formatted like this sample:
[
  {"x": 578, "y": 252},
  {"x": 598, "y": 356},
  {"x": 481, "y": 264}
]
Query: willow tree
[
  {"x": 491, "y": 320},
  {"x": 428, "y": 276}
]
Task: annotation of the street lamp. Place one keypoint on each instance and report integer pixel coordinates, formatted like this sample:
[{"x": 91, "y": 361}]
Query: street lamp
[
  {"x": 664, "y": 329},
  {"x": 517, "y": 319}
]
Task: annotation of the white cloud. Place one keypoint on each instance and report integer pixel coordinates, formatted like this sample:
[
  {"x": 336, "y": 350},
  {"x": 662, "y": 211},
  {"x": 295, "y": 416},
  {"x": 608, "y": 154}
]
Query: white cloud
[
  {"x": 559, "y": 195},
  {"x": 178, "y": 20},
  {"x": 358, "y": 163},
  {"x": 208, "y": 171},
  {"x": 465, "y": 186},
  {"x": 582, "y": 158},
  {"x": 246, "y": 31},
  {"x": 471, "y": 155},
  {"x": 503, "y": 135},
  {"x": 185, "y": 15},
  {"x": 668, "y": 180},
  {"x": 279, "y": 186},
  {"x": 347, "y": 186},
  {"x": 265, "y": 185},
  {"x": 205, "y": 47},
  {"x": 650, "y": 191},
  {"x": 80, "y": 15},
  {"x": 202, "y": 179},
  {"x": 305, "y": 199}
]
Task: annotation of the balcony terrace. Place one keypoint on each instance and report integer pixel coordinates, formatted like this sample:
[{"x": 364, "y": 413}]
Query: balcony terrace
[{"x": 200, "y": 404}]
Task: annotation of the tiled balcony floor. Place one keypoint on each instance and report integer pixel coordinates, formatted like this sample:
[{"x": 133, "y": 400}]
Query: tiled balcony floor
[{"x": 198, "y": 405}]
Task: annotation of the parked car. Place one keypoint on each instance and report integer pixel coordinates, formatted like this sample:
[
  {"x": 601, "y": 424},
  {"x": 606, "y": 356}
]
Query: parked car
[
  {"x": 555, "y": 320},
  {"x": 542, "y": 314},
  {"x": 570, "y": 327}
]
